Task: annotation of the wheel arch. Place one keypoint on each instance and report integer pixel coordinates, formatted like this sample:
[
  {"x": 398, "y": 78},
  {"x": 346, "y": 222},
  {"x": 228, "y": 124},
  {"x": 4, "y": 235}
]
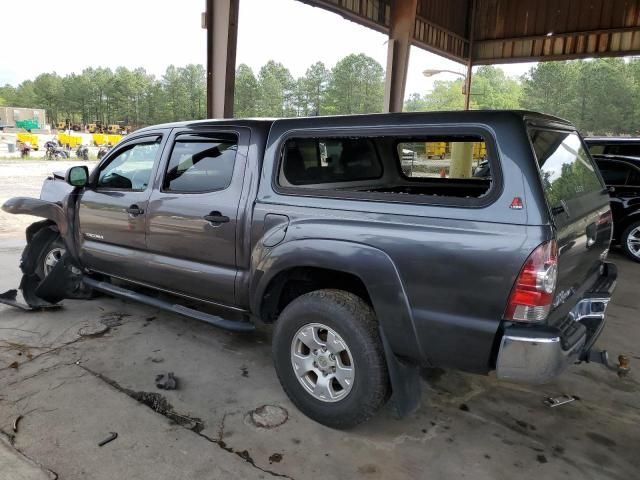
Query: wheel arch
[{"x": 361, "y": 269}]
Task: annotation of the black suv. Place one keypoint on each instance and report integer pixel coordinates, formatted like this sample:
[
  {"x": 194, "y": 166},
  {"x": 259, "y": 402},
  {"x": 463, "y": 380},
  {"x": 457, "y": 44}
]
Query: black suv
[
  {"x": 625, "y": 146},
  {"x": 622, "y": 176}
]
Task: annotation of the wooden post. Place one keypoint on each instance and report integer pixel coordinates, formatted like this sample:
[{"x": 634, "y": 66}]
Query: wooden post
[
  {"x": 403, "y": 20},
  {"x": 221, "y": 22}
]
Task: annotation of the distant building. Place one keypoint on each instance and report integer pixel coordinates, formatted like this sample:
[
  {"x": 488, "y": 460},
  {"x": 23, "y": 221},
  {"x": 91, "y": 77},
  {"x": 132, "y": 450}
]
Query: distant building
[{"x": 27, "y": 118}]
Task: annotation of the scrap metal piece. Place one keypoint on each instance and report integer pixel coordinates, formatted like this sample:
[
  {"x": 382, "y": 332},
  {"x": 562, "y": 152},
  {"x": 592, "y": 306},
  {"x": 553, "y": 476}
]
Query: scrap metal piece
[
  {"x": 166, "y": 382},
  {"x": 112, "y": 436},
  {"x": 622, "y": 368},
  {"x": 15, "y": 423},
  {"x": 623, "y": 365},
  {"x": 560, "y": 400},
  {"x": 10, "y": 298}
]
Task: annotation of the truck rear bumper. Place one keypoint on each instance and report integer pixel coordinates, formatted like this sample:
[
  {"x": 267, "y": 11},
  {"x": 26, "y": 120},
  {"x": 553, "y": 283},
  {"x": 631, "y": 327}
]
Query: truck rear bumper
[{"x": 537, "y": 354}]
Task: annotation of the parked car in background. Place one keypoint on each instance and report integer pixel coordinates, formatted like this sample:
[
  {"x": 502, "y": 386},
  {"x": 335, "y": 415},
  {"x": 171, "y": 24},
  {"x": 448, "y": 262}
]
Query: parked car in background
[
  {"x": 626, "y": 146},
  {"x": 622, "y": 176}
]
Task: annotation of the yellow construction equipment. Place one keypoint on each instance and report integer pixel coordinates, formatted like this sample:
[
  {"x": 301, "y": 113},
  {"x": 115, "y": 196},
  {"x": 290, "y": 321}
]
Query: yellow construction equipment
[
  {"x": 69, "y": 141},
  {"x": 113, "y": 139},
  {"x": 29, "y": 138},
  {"x": 99, "y": 139},
  {"x": 479, "y": 150},
  {"x": 436, "y": 149}
]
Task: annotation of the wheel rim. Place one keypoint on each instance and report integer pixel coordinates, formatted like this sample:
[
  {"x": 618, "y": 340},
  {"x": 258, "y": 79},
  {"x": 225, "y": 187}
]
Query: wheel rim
[
  {"x": 51, "y": 259},
  {"x": 322, "y": 362},
  {"x": 633, "y": 242}
]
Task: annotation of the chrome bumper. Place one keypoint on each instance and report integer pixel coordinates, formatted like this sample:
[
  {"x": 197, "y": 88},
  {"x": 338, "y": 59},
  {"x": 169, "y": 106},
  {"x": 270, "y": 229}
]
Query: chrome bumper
[{"x": 538, "y": 354}]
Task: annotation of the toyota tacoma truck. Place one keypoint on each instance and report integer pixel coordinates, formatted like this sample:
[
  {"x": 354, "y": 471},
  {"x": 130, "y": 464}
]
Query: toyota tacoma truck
[{"x": 369, "y": 263}]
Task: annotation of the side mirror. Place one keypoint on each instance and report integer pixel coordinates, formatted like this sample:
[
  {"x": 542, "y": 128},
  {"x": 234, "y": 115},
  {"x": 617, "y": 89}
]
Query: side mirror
[{"x": 77, "y": 176}]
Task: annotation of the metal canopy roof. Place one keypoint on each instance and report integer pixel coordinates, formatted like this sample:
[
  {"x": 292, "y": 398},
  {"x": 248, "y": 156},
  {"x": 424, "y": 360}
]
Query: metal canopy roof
[{"x": 501, "y": 31}]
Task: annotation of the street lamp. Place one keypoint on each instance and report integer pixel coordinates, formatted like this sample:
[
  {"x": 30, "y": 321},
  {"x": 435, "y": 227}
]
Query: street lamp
[{"x": 465, "y": 89}]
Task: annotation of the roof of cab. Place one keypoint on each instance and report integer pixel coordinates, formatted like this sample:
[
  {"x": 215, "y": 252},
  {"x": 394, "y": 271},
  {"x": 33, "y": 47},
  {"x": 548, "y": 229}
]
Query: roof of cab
[{"x": 371, "y": 119}]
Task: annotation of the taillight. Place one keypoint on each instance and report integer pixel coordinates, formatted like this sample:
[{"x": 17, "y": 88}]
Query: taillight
[{"x": 532, "y": 294}]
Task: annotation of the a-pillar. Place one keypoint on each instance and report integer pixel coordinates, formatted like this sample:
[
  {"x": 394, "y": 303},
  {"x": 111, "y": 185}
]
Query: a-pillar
[
  {"x": 403, "y": 20},
  {"x": 221, "y": 22}
]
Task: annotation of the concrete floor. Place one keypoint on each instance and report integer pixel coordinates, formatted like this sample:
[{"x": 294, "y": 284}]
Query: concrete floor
[{"x": 73, "y": 390}]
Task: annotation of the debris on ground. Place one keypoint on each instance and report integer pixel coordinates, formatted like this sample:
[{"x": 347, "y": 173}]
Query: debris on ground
[
  {"x": 14, "y": 365},
  {"x": 268, "y": 416},
  {"x": 16, "y": 422},
  {"x": 275, "y": 458},
  {"x": 113, "y": 319},
  {"x": 623, "y": 365},
  {"x": 559, "y": 400},
  {"x": 93, "y": 330},
  {"x": 112, "y": 436},
  {"x": 166, "y": 381},
  {"x": 245, "y": 371}
]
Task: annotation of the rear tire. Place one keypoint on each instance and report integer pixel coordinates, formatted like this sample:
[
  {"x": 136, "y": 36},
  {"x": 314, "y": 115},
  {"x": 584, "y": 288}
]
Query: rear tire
[
  {"x": 630, "y": 241},
  {"x": 348, "y": 373}
]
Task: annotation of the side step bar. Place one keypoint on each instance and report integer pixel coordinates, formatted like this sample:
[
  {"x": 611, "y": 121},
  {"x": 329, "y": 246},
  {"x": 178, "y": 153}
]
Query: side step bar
[{"x": 214, "y": 320}]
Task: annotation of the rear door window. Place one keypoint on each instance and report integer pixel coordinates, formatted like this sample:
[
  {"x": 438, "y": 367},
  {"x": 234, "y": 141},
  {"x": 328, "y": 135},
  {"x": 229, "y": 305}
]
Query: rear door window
[
  {"x": 614, "y": 173},
  {"x": 566, "y": 168},
  {"x": 200, "y": 164}
]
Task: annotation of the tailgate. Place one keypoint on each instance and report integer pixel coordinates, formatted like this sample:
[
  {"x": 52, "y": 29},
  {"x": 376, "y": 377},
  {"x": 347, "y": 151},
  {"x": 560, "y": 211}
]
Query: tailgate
[{"x": 579, "y": 206}]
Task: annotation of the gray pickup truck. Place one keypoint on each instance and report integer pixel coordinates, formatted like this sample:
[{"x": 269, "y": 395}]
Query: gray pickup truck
[{"x": 371, "y": 254}]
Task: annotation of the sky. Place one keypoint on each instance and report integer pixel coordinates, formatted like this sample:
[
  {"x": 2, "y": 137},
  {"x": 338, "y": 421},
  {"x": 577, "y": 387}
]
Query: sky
[{"x": 67, "y": 36}]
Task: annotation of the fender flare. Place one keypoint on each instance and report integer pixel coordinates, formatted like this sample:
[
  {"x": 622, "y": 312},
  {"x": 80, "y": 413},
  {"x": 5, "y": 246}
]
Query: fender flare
[
  {"x": 63, "y": 215},
  {"x": 386, "y": 291},
  {"x": 373, "y": 266}
]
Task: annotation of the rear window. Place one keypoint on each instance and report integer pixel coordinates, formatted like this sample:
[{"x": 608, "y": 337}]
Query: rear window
[
  {"x": 624, "y": 149},
  {"x": 566, "y": 168}
]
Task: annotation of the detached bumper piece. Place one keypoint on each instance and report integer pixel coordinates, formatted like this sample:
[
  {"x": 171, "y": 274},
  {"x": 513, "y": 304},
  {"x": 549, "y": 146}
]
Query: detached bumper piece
[
  {"x": 40, "y": 295},
  {"x": 537, "y": 354}
]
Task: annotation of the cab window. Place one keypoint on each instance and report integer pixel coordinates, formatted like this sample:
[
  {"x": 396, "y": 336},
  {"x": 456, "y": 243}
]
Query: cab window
[
  {"x": 200, "y": 164},
  {"x": 131, "y": 168}
]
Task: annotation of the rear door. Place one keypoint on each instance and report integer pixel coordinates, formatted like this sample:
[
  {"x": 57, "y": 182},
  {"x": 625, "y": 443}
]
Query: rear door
[
  {"x": 578, "y": 202},
  {"x": 193, "y": 213},
  {"x": 113, "y": 208}
]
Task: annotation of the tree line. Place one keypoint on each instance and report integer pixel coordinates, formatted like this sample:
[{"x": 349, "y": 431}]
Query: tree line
[{"x": 599, "y": 96}]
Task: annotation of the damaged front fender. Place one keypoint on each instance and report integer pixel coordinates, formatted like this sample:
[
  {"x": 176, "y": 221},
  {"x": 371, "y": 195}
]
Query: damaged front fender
[
  {"x": 38, "y": 208},
  {"x": 44, "y": 293}
]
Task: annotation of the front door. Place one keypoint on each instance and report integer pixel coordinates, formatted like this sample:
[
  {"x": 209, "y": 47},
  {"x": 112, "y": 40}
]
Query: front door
[
  {"x": 113, "y": 209},
  {"x": 192, "y": 216}
]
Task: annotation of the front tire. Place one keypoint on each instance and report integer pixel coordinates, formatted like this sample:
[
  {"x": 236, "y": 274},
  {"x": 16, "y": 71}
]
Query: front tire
[
  {"x": 329, "y": 358},
  {"x": 630, "y": 241}
]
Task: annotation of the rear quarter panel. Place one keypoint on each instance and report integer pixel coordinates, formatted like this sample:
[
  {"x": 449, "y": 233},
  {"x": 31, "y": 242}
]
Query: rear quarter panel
[{"x": 457, "y": 265}]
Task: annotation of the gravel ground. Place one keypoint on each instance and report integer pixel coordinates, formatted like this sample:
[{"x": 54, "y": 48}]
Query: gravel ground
[{"x": 23, "y": 178}]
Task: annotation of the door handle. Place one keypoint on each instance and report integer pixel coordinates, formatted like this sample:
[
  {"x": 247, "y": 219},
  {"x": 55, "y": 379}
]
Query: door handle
[
  {"x": 135, "y": 210},
  {"x": 216, "y": 218}
]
